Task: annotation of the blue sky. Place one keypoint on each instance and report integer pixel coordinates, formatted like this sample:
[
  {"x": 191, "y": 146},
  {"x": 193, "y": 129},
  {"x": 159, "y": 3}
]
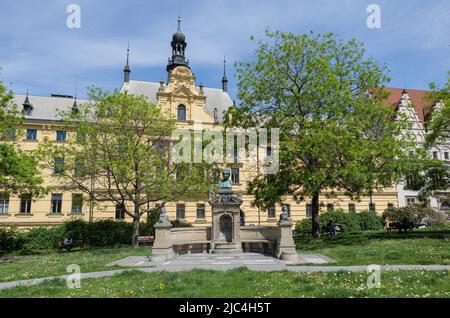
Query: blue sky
[{"x": 39, "y": 53}]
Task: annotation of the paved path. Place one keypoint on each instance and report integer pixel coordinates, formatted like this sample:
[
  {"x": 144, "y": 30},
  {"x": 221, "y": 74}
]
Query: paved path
[{"x": 254, "y": 262}]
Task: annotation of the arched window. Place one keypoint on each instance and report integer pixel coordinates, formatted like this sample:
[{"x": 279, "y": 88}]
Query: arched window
[
  {"x": 445, "y": 206},
  {"x": 181, "y": 115},
  {"x": 242, "y": 218}
]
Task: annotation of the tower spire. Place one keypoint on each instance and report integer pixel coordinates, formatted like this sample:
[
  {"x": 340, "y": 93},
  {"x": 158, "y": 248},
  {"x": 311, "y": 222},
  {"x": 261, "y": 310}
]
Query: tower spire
[
  {"x": 127, "y": 69},
  {"x": 178, "y": 45},
  {"x": 224, "y": 78}
]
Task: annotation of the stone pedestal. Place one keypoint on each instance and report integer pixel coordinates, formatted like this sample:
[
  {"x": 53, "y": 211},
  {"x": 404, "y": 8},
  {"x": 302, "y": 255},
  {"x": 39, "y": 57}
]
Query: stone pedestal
[
  {"x": 286, "y": 246},
  {"x": 162, "y": 247},
  {"x": 225, "y": 231}
]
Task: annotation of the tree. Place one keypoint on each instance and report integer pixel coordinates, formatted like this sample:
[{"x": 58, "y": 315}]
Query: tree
[
  {"x": 18, "y": 169},
  {"x": 326, "y": 99},
  {"x": 121, "y": 155}
]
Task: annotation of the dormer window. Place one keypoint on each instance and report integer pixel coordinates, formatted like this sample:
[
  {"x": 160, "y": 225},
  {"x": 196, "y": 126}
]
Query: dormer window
[
  {"x": 181, "y": 113},
  {"x": 27, "y": 106}
]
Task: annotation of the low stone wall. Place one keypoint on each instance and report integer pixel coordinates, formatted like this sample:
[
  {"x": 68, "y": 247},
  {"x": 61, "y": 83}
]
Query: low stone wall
[{"x": 191, "y": 239}]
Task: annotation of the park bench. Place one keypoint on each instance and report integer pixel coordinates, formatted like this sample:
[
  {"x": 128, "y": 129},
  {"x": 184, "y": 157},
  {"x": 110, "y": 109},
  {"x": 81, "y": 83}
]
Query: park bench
[
  {"x": 146, "y": 240},
  {"x": 75, "y": 243},
  {"x": 406, "y": 226},
  {"x": 260, "y": 246},
  {"x": 192, "y": 246},
  {"x": 1, "y": 252}
]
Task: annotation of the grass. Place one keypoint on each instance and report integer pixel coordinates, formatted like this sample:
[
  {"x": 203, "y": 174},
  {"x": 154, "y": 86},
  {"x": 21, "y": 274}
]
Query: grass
[
  {"x": 34, "y": 266},
  {"x": 243, "y": 283},
  {"x": 419, "y": 247}
]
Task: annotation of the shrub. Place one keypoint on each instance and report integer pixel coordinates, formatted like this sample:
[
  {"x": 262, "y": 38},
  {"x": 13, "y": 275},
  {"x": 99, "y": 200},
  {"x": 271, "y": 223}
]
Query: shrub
[
  {"x": 178, "y": 223},
  {"x": 349, "y": 222},
  {"x": 415, "y": 213},
  {"x": 369, "y": 220},
  {"x": 41, "y": 238},
  {"x": 304, "y": 227},
  {"x": 9, "y": 239}
]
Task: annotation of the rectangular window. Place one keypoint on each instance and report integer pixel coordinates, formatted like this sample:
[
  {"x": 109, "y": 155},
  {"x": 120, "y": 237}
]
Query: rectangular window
[
  {"x": 79, "y": 168},
  {"x": 446, "y": 155},
  {"x": 120, "y": 212},
  {"x": 56, "y": 203},
  {"x": 288, "y": 209},
  {"x": 435, "y": 155},
  {"x": 77, "y": 203},
  {"x": 410, "y": 200},
  {"x": 390, "y": 205},
  {"x": 200, "y": 211},
  {"x": 4, "y": 203},
  {"x": 81, "y": 137},
  {"x": 61, "y": 135},
  {"x": 25, "y": 203},
  {"x": 181, "y": 209},
  {"x": 351, "y": 208},
  {"x": 269, "y": 152},
  {"x": 372, "y": 207},
  {"x": 330, "y": 207},
  {"x": 10, "y": 134},
  {"x": 271, "y": 212},
  {"x": 308, "y": 210},
  {"x": 31, "y": 134},
  {"x": 235, "y": 175},
  {"x": 59, "y": 165}
]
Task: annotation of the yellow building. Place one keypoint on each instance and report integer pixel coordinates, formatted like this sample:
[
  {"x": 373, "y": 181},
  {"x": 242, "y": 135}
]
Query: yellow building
[{"x": 181, "y": 98}]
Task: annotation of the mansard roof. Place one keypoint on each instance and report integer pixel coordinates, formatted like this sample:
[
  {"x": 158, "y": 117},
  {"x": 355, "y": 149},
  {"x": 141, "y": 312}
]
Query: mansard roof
[
  {"x": 215, "y": 97},
  {"x": 417, "y": 98},
  {"x": 46, "y": 108}
]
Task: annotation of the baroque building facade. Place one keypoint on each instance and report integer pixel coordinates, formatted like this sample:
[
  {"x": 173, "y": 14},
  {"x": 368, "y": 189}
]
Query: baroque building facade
[{"x": 190, "y": 103}]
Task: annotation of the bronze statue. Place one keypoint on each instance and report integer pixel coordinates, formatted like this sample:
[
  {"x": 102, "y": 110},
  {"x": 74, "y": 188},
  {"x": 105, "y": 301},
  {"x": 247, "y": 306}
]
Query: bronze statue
[{"x": 226, "y": 182}]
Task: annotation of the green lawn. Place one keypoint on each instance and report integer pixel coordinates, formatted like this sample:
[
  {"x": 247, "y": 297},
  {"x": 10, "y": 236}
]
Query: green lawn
[
  {"x": 25, "y": 267},
  {"x": 243, "y": 283},
  {"x": 420, "y": 247}
]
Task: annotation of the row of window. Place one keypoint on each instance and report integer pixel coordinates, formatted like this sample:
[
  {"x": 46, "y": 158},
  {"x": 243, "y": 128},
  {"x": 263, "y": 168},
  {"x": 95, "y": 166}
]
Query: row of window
[
  {"x": 436, "y": 155},
  {"x": 55, "y": 204},
  {"x": 61, "y": 135}
]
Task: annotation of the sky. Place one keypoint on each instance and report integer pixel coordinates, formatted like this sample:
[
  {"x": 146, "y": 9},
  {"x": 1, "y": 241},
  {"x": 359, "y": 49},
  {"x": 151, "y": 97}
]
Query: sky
[{"x": 39, "y": 53}]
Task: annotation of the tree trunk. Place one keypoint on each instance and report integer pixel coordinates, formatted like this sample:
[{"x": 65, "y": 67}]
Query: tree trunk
[
  {"x": 315, "y": 215},
  {"x": 134, "y": 239}
]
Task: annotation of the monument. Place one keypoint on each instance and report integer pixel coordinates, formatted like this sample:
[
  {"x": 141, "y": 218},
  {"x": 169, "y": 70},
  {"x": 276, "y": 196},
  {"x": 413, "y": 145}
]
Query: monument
[
  {"x": 162, "y": 246},
  {"x": 225, "y": 232}
]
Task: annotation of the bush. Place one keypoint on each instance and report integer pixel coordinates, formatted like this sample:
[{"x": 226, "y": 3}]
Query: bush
[
  {"x": 349, "y": 222},
  {"x": 415, "y": 213},
  {"x": 369, "y": 220},
  {"x": 178, "y": 223},
  {"x": 304, "y": 227},
  {"x": 9, "y": 239},
  {"x": 41, "y": 238}
]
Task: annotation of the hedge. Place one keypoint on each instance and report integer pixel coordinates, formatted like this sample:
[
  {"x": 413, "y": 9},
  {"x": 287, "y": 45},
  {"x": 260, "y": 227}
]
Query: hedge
[
  {"x": 349, "y": 222},
  {"x": 102, "y": 233}
]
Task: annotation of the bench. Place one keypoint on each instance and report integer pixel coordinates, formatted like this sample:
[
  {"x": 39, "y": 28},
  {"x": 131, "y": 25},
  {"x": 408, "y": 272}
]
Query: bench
[
  {"x": 1, "y": 253},
  {"x": 408, "y": 226},
  {"x": 68, "y": 248},
  {"x": 189, "y": 247},
  {"x": 262, "y": 246},
  {"x": 146, "y": 240}
]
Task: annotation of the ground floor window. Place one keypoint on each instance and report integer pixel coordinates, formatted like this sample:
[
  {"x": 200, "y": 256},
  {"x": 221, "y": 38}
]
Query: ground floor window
[
  {"x": 77, "y": 203},
  {"x": 56, "y": 203},
  {"x": 372, "y": 207},
  {"x": 390, "y": 205},
  {"x": 330, "y": 207},
  {"x": 271, "y": 212},
  {"x": 120, "y": 211},
  {"x": 351, "y": 208},
  {"x": 200, "y": 211},
  {"x": 181, "y": 210},
  {"x": 288, "y": 209},
  {"x": 25, "y": 203},
  {"x": 410, "y": 200},
  {"x": 235, "y": 175},
  {"x": 4, "y": 203},
  {"x": 308, "y": 210}
]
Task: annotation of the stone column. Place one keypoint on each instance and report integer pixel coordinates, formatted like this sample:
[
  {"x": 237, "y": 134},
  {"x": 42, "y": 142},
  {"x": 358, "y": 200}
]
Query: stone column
[
  {"x": 286, "y": 246},
  {"x": 162, "y": 247}
]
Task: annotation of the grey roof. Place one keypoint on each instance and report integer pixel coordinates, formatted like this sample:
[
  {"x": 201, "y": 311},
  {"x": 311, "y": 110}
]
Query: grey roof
[
  {"x": 45, "y": 107},
  {"x": 215, "y": 97}
]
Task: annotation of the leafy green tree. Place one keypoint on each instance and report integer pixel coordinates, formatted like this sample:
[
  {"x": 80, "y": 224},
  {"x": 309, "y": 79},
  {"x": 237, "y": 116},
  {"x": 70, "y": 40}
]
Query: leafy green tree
[
  {"x": 18, "y": 169},
  {"x": 326, "y": 98},
  {"x": 121, "y": 154}
]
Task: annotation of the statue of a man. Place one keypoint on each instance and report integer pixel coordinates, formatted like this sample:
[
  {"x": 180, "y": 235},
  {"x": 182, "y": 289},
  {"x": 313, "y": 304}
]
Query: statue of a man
[
  {"x": 226, "y": 182},
  {"x": 284, "y": 216},
  {"x": 163, "y": 217}
]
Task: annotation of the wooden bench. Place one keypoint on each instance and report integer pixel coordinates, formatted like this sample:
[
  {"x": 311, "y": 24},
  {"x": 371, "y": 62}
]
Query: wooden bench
[
  {"x": 400, "y": 226},
  {"x": 75, "y": 243},
  {"x": 146, "y": 240}
]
